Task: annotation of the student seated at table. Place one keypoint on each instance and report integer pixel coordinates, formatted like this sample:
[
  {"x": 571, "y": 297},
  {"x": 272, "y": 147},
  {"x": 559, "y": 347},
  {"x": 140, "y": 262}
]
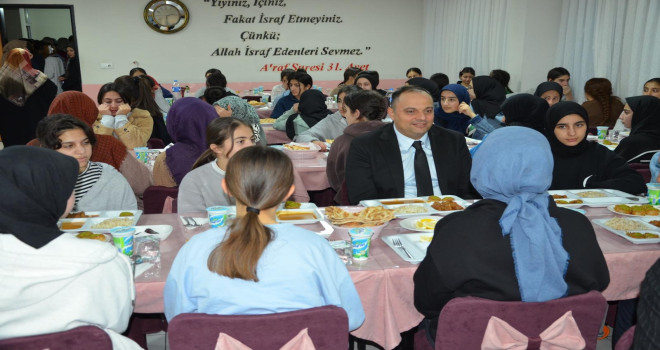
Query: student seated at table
[
  {"x": 410, "y": 157},
  {"x": 580, "y": 163},
  {"x": 350, "y": 74},
  {"x": 365, "y": 111},
  {"x": 484, "y": 110},
  {"x": 132, "y": 126},
  {"x": 642, "y": 115},
  {"x": 448, "y": 115},
  {"x": 298, "y": 83},
  {"x": 308, "y": 112},
  {"x": 256, "y": 266},
  {"x": 99, "y": 185},
  {"x": 53, "y": 281},
  {"x": 201, "y": 187},
  {"x": 525, "y": 110},
  {"x": 281, "y": 88},
  {"x": 107, "y": 149},
  {"x": 515, "y": 244},
  {"x": 550, "y": 91},
  {"x": 230, "y": 105},
  {"x": 186, "y": 123},
  {"x": 331, "y": 126}
]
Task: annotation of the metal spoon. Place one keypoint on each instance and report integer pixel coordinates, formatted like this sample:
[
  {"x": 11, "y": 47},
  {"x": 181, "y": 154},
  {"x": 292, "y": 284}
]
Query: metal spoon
[{"x": 151, "y": 232}]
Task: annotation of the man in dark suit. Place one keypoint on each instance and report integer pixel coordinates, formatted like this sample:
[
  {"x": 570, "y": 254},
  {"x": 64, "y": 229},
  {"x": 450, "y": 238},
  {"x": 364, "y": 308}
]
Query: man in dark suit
[{"x": 410, "y": 157}]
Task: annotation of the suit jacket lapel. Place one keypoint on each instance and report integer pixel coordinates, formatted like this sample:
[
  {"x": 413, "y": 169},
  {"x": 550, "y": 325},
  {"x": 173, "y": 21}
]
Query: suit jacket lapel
[
  {"x": 440, "y": 152},
  {"x": 389, "y": 146}
]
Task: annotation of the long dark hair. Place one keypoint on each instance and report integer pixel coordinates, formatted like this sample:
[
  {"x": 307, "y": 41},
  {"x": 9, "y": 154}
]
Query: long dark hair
[
  {"x": 139, "y": 92},
  {"x": 237, "y": 256},
  {"x": 601, "y": 90},
  {"x": 217, "y": 132}
]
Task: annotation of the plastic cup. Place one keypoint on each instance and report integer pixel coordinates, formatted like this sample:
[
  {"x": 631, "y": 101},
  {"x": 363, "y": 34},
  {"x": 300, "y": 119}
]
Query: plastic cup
[
  {"x": 653, "y": 193},
  {"x": 123, "y": 238},
  {"x": 141, "y": 153},
  {"x": 360, "y": 240},
  {"x": 217, "y": 216},
  {"x": 602, "y": 132}
]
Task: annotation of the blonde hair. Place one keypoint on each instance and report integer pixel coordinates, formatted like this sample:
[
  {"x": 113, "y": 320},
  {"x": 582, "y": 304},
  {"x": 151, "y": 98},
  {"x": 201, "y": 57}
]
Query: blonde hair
[{"x": 259, "y": 177}]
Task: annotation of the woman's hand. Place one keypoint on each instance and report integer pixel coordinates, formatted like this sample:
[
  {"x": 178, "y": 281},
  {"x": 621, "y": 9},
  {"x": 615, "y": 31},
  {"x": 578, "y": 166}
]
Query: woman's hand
[
  {"x": 104, "y": 109},
  {"x": 295, "y": 107},
  {"x": 465, "y": 108},
  {"x": 124, "y": 109},
  {"x": 320, "y": 144},
  {"x": 223, "y": 113}
]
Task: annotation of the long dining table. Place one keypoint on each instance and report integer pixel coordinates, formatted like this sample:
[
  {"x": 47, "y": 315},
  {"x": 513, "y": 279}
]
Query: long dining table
[{"x": 385, "y": 281}]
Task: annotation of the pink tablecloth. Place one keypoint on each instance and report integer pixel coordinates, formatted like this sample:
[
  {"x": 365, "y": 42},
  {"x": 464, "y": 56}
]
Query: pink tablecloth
[
  {"x": 385, "y": 284},
  {"x": 275, "y": 137}
]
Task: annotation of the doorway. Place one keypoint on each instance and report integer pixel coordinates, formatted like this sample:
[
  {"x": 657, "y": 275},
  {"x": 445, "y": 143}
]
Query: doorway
[{"x": 36, "y": 22}]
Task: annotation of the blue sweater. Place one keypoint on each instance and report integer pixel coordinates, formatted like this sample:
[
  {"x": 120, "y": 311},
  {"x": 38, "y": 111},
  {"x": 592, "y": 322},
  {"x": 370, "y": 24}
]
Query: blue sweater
[{"x": 284, "y": 104}]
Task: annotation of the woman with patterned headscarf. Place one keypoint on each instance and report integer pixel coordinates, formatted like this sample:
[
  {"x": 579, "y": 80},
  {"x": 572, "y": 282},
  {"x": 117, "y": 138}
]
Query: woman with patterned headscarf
[
  {"x": 25, "y": 94},
  {"x": 236, "y": 107}
]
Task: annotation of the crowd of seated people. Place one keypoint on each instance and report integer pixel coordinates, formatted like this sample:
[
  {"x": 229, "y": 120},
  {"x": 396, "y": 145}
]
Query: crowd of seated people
[{"x": 218, "y": 155}]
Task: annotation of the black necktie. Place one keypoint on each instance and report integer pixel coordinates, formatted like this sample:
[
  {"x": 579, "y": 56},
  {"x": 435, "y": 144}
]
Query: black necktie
[{"x": 422, "y": 172}]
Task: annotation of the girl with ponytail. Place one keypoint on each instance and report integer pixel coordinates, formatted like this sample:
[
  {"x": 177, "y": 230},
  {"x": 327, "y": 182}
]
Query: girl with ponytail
[
  {"x": 603, "y": 108},
  {"x": 255, "y": 265},
  {"x": 201, "y": 187}
]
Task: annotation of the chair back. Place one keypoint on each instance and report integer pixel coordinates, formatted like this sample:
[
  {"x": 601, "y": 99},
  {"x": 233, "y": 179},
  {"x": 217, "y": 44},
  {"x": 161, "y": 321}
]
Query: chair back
[
  {"x": 80, "y": 338},
  {"x": 463, "y": 321},
  {"x": 644, "y": 157},
  {"x": 643, "y": 169},
  {"x": 252, "y": 98},
  {"x": 327, "y": 327},
  {"x": 154, "y": 197}
]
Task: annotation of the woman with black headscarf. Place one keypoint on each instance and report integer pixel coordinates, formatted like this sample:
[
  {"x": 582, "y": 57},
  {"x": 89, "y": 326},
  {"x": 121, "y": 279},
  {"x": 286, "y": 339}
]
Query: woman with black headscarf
[
  {"x": 525, "y": 110},
  {"x": 550, "y": 91},
  {"x": 53, "y": 282},
  {"x": 580, "y": 163},
  {"x": 428, "y": 85},
  {"x": 485, "y": 110},
  {"x": 642, "y": 115},
  {"x": 311, "y": 110}
]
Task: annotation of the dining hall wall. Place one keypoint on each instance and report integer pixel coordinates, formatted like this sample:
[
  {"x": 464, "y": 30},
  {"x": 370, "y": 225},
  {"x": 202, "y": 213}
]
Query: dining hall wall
[{"x": 381, "y": 34}]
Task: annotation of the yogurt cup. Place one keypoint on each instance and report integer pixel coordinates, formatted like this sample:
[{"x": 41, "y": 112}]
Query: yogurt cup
[
  {"x": 360, "y": 241},
  {"x": 122, "y": 237},
  {"x": 218, "y": 216}
]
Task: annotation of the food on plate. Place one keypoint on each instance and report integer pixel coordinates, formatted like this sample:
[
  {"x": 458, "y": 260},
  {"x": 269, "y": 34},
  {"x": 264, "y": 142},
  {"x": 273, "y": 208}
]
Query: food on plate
[
  {"x": 410, "y": 209},
  {"x": 434, "y": 199},
  {"x": 446, "y": 205},
  {"x": 90, "y": 235},
  {"x": 624, "y": 224},
  {"x": 69, "y": 225},
  {"x": 655, "y": 223},
  {"x": 291, "y": 205},
  {"x": 329, "y": 141},
  {"x": 573, "y": 201},
  {"x": 80, "y": 214},
  {"x": 609, "y": 143},
  {"x": 125, "y": 213},
  {"x": 640, "y": 210},
  {"x": 642, "y": 235},
  {"x": 372, "y": 216},
  {"x": 401, "y": 201},
  {"x": 297, "y": 148},
  {"x": 558, "y": 196},
  {"x": 285, "y": 215},
  {"x": 268, "y": 121},
  {"x": 112, "y": 223},
  {"x": 426, "y": 238},
  {"x": 426, "y": 223},
  {"x": 591, "y": 194},
  {"x": 256, "y": 103}
]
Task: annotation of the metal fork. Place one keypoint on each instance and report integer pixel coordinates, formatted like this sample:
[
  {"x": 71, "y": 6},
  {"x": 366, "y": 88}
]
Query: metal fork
[
  {"x": 194, "y": 223},
  {"x": 189, "y": 221},
  {"x": 397, "y": 243}
]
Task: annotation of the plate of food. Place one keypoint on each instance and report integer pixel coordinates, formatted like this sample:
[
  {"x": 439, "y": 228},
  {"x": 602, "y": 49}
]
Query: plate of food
[
  {"x": 98, "y": 221},
  {"x": 439, "y": 204},
  {"x": 420, "y": 223},
  {"x": 95, "y": 236},
  {"x": 651, "y": 221},
  {"x": 343, "y": 219},
  {"x": 296, "y": 205},
  {"x": 633, "y": 230},
  {"x": 301, "y": 150},
  {"x": 298, "y": 216},
  {"x": 267, "y": 121},
  {"x": 408, "y": 210},
  {"x": 635, "y": 210},
  {"x": 593, "y": 197}
]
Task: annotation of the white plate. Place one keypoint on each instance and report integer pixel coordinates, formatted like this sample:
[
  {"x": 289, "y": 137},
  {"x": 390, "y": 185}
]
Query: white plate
[
  {"x": 612, "y": 197},
  {"x": 425, "y": 206},
  {"x": 102, "y": 215},
  {"x": 413, "y": 201},
  {"x": 164, "y": 231},
  {"x": 318, "y": 216},
  {"x": 309, "y": 206},
  {"x": 601, "y": 222},
  {"x": 611, "y": 208},
  {"x": 302, "y": 154},
  {"x": 409, "y": 223},
  {"x": 413, "y": 244}
]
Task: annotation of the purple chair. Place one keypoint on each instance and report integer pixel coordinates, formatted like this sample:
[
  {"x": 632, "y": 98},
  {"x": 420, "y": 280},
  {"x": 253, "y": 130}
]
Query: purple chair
[
  {"x": 626, "y": 340},
  {"x": 327, "y": 327},
  {"x": 80, "y": 338},
  {"x": 154, "y": 197},
  {"x": 155, "y": 143},
  {"x": 463, "y": 321},
  {"x": 643, "y": 169}
]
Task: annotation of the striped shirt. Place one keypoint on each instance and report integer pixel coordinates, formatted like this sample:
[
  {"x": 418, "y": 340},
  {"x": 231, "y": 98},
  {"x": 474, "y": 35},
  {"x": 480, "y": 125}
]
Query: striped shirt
[{"x": 87, "y": 179}]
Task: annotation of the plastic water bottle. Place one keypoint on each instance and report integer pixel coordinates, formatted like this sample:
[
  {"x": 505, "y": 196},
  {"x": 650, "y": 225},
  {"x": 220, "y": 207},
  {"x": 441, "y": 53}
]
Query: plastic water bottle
[
  {"x": 176, "y": 90},
  {"x": 389, "y": 94}
]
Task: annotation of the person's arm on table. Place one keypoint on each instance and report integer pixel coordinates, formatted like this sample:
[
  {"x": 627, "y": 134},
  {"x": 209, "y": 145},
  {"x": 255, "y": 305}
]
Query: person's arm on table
[{"x": 280, "y": 123}]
